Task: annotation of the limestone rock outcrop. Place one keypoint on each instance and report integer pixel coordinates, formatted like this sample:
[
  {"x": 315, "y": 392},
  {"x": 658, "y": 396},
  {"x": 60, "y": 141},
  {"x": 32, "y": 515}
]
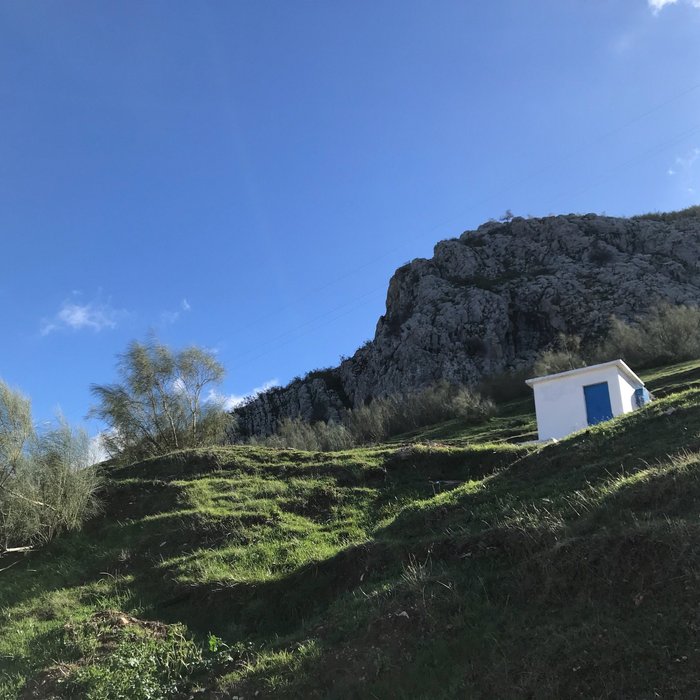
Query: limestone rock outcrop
[{"x": 492, "y": 299}]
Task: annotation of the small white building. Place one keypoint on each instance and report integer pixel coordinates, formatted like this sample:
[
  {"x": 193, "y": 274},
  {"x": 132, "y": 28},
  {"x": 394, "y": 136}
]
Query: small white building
[{"x": 570, "y": 401}]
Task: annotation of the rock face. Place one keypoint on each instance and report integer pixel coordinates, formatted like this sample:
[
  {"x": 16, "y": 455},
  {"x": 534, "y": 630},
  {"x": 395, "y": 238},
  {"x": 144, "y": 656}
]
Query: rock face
[{"x": 492, "y": 299}]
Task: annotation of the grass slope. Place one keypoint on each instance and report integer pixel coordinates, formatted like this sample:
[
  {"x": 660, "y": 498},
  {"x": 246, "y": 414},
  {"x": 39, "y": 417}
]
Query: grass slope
[{"x": 565, "y": 570}]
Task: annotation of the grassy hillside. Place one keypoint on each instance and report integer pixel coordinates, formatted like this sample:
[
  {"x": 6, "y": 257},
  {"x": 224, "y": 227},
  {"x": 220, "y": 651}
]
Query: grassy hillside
[{"x": 459, "y": 562}]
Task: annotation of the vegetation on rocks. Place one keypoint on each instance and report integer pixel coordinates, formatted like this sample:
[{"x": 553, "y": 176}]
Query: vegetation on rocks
[
  {"x": 492, "y": 300},
  {"x": 383, "y": 418},
  {"x": 664, "y": 335}
]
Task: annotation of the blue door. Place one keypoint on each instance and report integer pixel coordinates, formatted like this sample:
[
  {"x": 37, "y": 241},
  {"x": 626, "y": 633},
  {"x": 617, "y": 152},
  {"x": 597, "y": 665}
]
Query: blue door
[{"x": 598, "y": 406}]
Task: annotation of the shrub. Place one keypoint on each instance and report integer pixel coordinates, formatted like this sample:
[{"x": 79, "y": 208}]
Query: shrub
[
  {"x": 16, "y": 429},
  {"x": 665, "y": 335},
  {"x": 371, "y": 422},
  {"x": 383, "y": 418},
  {"x": 297, "y": 434},
  {"x": 506, "y": 386},
  {"x": 671, "y": 216},
  {"x": 64, "y": 477},
  {"x": 566, "y": 354},
  {"x": 48, "y": 483},
  {"x": 393, "y": 415}
]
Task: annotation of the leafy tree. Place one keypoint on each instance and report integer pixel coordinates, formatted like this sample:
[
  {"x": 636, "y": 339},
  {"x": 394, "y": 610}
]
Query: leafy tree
[{"x": 160, "y": 405}]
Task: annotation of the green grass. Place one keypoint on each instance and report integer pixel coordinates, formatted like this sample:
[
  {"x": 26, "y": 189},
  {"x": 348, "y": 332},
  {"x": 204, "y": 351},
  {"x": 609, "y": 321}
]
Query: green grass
[{"x": 454, "y": 562}]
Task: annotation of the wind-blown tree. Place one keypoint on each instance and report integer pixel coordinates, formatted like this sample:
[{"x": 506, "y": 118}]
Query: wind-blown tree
[
  {"x": 63, "y": 477},
  {"x": 161, "y": 403},
  {"x": 16, "y": 429},
  {"x": 47, "y": 481}
]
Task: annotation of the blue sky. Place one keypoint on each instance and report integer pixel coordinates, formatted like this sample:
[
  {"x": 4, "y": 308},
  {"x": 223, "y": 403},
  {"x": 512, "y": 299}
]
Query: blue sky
[{"x": 246, "y": 176}]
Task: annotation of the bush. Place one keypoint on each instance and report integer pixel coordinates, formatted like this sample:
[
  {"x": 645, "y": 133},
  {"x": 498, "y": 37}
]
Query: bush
[
  {"x": 506, "y": 386},
  {"x": 393, "y": 415},
  {"x": 665, "y": 335},
  {"x": 383, "y": 418},
  {"x": 64, "y": 477},
  {"x": 50, "y": 485},
  {"x": 671, "y": 216},
  {"x": 566, "y": 354},
  {"x": 297, "y": 434}
]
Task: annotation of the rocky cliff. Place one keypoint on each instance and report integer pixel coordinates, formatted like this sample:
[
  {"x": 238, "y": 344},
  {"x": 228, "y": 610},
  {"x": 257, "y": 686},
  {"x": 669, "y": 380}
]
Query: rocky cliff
[{"x": 492, "y": 299}]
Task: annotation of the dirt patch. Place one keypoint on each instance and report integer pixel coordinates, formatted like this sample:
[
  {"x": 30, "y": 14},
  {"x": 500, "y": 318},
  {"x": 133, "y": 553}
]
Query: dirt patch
[
  {"x": 49, "y": 684},
  {"x": 109, "y": 623},
  {"x": 107, "y": 627}
]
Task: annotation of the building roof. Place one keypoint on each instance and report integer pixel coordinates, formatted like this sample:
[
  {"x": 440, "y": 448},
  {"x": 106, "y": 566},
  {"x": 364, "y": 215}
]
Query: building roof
[{"x": 619, "y": 364}]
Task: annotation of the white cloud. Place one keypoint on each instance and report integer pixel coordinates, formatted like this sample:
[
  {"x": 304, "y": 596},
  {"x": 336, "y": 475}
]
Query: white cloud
[
  {"x": 97, "y": 451},
  {"x": 231, "y": 401},
  {"x": 658, "y": 5},
  {"x": 185, "y": 305},
  {"x": 75, "y": 316}
]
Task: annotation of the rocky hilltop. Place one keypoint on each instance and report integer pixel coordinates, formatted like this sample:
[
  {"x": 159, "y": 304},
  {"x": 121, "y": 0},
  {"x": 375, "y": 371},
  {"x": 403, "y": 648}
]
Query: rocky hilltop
[{"x": 492, "y": 299}]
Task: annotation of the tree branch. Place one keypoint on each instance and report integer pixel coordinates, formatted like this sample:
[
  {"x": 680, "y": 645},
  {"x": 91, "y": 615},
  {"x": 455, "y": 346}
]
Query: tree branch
[{"x": 28, "y": 500}]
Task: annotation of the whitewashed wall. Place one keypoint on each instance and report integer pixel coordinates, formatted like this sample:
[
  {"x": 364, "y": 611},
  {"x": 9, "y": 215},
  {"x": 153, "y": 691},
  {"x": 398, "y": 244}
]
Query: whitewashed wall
[
  {"x": 561, "y": 404},
  {"x": 627, "y": 393}
]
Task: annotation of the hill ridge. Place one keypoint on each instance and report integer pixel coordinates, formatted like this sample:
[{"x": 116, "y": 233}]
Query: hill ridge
[
  {"x": 470, "y": 566},
  {"x": 492, "y": 299}
]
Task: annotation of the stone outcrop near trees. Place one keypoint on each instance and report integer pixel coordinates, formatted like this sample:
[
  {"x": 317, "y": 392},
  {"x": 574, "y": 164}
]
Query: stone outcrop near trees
[{"x": 491, "y": 300}]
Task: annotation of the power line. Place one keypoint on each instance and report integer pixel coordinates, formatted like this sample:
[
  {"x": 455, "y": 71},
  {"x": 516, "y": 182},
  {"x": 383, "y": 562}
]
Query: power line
[
  {"x": 649, "y": 152},
  {"x": 335, "y": 317},
  {"x": 332, "y": 314},
  {"x": 586, "y": 145},
  {"x": 294, "y": 332}
]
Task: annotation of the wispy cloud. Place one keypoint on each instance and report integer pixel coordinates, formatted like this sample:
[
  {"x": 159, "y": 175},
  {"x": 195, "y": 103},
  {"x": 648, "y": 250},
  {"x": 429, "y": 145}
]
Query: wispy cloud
[
  {"x": 658, "y": 5},
  {"x": 231, "y": 401},
  {"x": 684, "y": 169},
  {"x": 623, "y": 42},
  {"x": 688, "y": 161},
  {"x": 74, "y": 315},
  {"x": 167, "y": 318}
]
